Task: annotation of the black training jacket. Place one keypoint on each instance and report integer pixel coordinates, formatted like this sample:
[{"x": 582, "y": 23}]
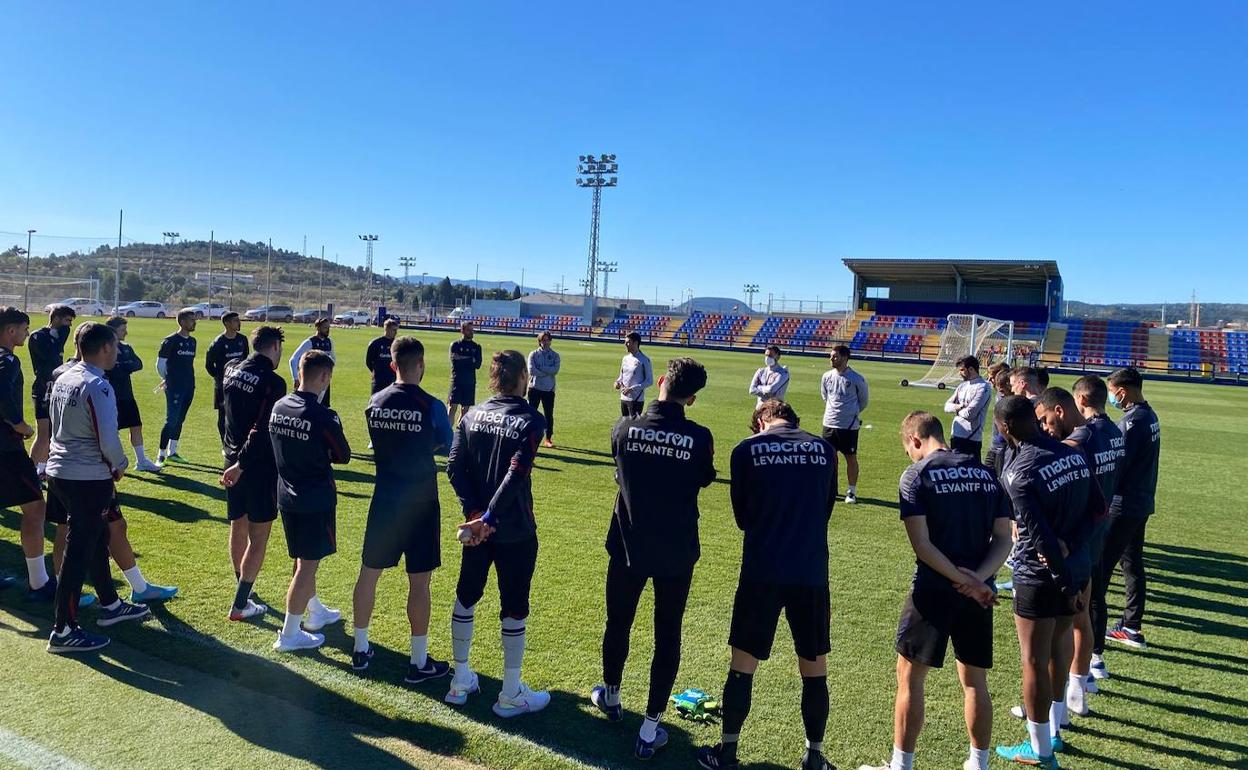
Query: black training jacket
[
  {"x": 47, "y": 351},
  {"x": 307, "y": 438},
  {"x": 128, "y": 362},
  {"x": 465, "y": 361},
  {"x": 662, "y": 461},
  {"x": 1137, "y": 484},
  {"x": 11, "y": 401},
  {"x": 250, "y": 390},
  {"x": 491, "y": 465},
  {"x": 220, "y": 353},
  {"x": 407, "y": 427},
  {"x": 1104, "y": 447},
  {"x": 377, "y": 359},
  {"x": 179, "y": 355},
  {"x": 783, "y": 490}
]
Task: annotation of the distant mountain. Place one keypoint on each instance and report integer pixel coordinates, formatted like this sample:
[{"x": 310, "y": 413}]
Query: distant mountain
[
  {"x": 1211, "y": 313},
  {"x": 472, "y": 283},
  {"x": 714, "y": 305}
]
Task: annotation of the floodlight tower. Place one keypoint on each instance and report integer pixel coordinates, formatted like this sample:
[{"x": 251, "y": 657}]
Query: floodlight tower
[
  {"x": 407, "y": 263},
  {"x": 607, "y": 268},
  {"x": 750, "y": 290},
  {"x": 369, "y": 240},
  {"x": 172, "y": 236},
  {"x": 595, "y": 173}
]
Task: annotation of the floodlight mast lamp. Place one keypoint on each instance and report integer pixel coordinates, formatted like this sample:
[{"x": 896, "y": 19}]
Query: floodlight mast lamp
[
  {"x": 607, "y": 268},
  {"x": 750, "y": 290},
  {"x": 595, "y": 173},
  {"x": 369, "y": 240}
]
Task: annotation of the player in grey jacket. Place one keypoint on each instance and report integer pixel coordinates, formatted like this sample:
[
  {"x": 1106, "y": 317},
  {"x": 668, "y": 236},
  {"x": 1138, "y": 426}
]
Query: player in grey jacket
[
  {"x": 636, "y": 374},
  {"x": 543, "y": 367},
  {"x": 969, "y": 407},
  {"x": 845, "y": 397},
  {"x": 772, "y": 381}
]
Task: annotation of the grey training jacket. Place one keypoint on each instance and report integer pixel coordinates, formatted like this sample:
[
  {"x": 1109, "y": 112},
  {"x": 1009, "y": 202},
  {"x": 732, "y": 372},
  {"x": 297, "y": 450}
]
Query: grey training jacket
[{"x": 83, "y": 412}]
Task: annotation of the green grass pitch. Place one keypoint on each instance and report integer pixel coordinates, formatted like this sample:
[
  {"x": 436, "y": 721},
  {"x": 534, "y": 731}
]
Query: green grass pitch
[{"x": 191, "y": 687}]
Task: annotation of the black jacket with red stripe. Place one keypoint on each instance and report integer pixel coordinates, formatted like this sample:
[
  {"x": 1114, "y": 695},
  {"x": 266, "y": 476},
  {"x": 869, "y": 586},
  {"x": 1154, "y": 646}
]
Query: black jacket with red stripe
[{"x": 307, "y": 439}]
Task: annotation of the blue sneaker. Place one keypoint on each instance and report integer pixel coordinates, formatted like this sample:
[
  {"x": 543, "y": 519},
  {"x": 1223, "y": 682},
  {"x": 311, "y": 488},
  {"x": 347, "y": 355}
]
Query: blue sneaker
[
  {"x": 1059, "y": 745},
  {"x": 76, "y": 640},
  {"x": 153, "y": 593},
  {"x": 47, "y": 593},
  {"x": 598, "y": 697},
  {"x": 1023, "y": 754},
  {"x": 86, "y": 600},
  {"x": 1006, "y": 585},
  {"x": 121, "y": 613},
  {"x": 647, "y": 749}
]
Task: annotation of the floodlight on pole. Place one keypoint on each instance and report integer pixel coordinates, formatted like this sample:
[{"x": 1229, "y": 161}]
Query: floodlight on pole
[
  {"x": 607, "y": 268},
  {"x": 171, "y": 236},
  {"x": 750, "y": 290},
  {"x": 369, "y": 240},
  {"x": 595, "y": 173}
]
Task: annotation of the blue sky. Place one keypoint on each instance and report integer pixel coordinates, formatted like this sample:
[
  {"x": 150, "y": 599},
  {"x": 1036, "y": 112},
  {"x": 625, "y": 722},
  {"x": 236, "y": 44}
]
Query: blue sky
[{"x": 757, "y": 142}]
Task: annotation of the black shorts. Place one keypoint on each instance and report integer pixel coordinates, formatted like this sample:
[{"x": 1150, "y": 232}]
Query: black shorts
[
  {"x": 967, "y": 447},
  {"x": 310, "y": 536},
  {"x": 41, "y": 407},
  {"x": 254, "y": 496},
  {"x": 513, "y": 563},
  {"x": 631, "y": 408},
  {"x": 933, "y": 616},
  {"x": 19, "y": 481},
  {"x": 56, "y": 513},
  {"x": 462, "y": 393},
  {"x": 842, "y": 440},
  {"x": 128, "y": 414},
  {"x": 1040, "y": 601},
  {"x": 403, "y": 525},
  {"x": 756, "y": 613}
]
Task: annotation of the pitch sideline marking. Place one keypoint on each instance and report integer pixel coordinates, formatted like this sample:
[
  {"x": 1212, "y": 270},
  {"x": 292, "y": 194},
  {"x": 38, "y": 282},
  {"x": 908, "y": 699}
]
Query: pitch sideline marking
[{"x": 29, "y": 753}]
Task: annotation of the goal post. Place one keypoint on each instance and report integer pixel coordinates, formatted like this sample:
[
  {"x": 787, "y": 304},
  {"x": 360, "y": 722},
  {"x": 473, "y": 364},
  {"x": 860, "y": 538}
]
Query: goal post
[
  {"x": 33, "y": 293},
  {"x": 988, "y": 339}
]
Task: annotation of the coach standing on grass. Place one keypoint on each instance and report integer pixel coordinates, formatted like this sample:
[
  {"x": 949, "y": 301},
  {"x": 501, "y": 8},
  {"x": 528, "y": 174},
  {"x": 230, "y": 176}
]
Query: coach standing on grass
[
  {"x": 176, "y": 365},
  {"x": 377, "y": 357},
  {"x": 636, "y": 374},
  {"x": 318, "y": 341},
  {"x": 771, "y": 381},
  {"x": 86, "y": 458},
  {"x": 845, "y": 397},
  {"x": 543, "y": 368},
  {"x": 969, "y": 406},
  {"x": 47, "y": 351},
  {"x": 465, "y": 361},
  {"x": 783, "y": 490},
  {"x": 229, "y": 346},
  {"x": 662, "y": 461}
]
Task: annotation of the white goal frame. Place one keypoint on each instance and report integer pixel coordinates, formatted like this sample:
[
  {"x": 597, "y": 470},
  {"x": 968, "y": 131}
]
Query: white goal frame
[
  {"x": 33, "y": 292},
  {"x": 966, "y": 335}
]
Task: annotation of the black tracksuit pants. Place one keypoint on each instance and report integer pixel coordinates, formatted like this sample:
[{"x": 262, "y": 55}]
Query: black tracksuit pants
[
  {"x": 546, "y": 399},
  {"x": 1123, "y": 543},
  {"x": 87, "y": 504}
]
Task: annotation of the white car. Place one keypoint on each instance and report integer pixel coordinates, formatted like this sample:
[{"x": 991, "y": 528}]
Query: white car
[
  {"x": 207, "y": 309},
  {"x": 360, "y": 317},
  {"x": 81, "y": 306},
  {"x": 143, "y": 309}
]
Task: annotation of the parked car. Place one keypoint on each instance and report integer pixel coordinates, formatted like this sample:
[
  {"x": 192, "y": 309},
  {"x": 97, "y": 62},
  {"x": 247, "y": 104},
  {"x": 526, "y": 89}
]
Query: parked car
[
  {"x": 81, "y": 306},
  {"x": 308, "y": 316},
  {"x": 143, "y": 309},
  {"x": 458, "y": 313},
  {"x": 361, "y": 317},
  {"x": 284, "y": 313},
  {"x": 207, "y": 309}
]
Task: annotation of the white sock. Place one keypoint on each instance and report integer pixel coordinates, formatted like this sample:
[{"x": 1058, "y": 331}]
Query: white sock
[
  {"x": 37, "y": 572},
  {"x": 979, "y": 757},
  {"x": 314, "y": 604},
  {"x": 613, "y": 696},
  {"x": 420, "y": 651},
  {"x": 361, "y": 640},
  {"x": 1041, "y": 738},
  {"x": 815, "y": 747},
  {"x": 173, "y": 446},
  {"x": 291, "y": 626},
  {"x": 902, "y": 760},
  {"x": 513, "y": 634},
  {"x": 461, "y": 640},
  {"x": 116, "y": 603},
  {"x": 649, "y": 728},
  {"x": 853, "y": 489},
  {"x": 134, "y": 576},
  {"x": 139, "y": 454},
  {"x": 1057, "y": 715},
  {"x": 1079, "y": 680}
]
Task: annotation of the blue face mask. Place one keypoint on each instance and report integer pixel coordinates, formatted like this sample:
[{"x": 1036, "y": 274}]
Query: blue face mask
[{"x": 1113, "y": 401}]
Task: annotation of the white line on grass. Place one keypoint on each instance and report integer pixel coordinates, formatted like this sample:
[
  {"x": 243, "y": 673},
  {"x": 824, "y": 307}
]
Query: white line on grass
[{"x": 28, "y": 753}]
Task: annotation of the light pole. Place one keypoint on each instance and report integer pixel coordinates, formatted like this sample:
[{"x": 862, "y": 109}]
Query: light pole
[
  {"x": 26, "y": 301},
  {"x": 212, "y": 237},
  {"x": 369, "y": 240},
  {"x": 595, "y": 173},
  {"x": 607, "y": 268},
  {"x": 171, "y": 236},
  {"x": 320, "y": 292},
  {"x": 750, "y": 290},
  {"x": 268, "y": 279},
  {"x": 233, "y": 261}
]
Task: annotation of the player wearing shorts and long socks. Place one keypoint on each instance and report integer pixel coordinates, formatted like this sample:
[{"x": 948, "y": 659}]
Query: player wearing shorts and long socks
[
  {"x": 958, "y": 523},
  {"x": 490, "y": 468},
  {"x": 175, "y": 363},
  {"x": 47, "y": 351},
  {"x": 377, "y": 357},
  {"x": 1055, "y": 501},
  {"x": 969, "y": 407},
  {"x": 319, "y": 341},
  {"x": 1134, "y": 501},
  {"x": 408, "y": 427},
  {"x": 128, "y": 417},
  {"x": 999, "y": 376},
  {"x": 307, "y": 441},
  {"x": 1024, "y": 381},
  {"x": 845, "y": 396},
  {"x": 19, "y": 480},
  {"x": 229, "y": 346},
  {"x": 772, "y": 380},
  {"x": 544, "y": 365},
  {"x": 465, "y": 361},
  {"x": 783, "y": 490},
  {"x": 249, "y": 391},
  {"x": 662, "y": 461},
  {"x": 85, "y": 461},
  {"x": 636, "y": 374}
]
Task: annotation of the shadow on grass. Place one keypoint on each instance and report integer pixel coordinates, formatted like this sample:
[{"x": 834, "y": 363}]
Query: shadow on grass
[
  {"x": 1167, "y": 743},
  {"x": 174, "y": 510},
  {"x": 1189, "y": 692},
  {"x": 1198, "y": 625}
]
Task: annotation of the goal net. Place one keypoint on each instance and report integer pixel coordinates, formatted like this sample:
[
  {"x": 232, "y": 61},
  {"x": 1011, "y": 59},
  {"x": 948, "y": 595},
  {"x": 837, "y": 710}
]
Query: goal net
[
  {"x": 34, "y": 293},
  {"x": 988, "y": 339}
]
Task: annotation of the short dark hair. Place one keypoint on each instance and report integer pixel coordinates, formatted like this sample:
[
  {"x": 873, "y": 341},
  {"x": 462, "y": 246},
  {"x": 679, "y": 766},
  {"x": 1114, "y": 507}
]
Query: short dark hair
[
  {"x": 685, "y": 377},
  {"x": 11, "y": 316},
  {"x": 405, "y": 351},
  {"x": 184, "y": 315},
  {"x": 390, "y": 321},
  {"x": 227, "y": 317},
  {"x": 62, "y": 311},
  {"x": 921, "y": 424},
  {"x": 1052, "y": 397},
  {"x": 633, "y": 337},
  {"x": 321, "y": 320},
  {"x": 314, "y": 362},
  {"x": 1029, "y": 373},
  {"x": 116, "y": 322},
  {"x": 92, "y": 337},
  {"x": 1042, "y": 375},
  {"x": 1093, "y": 389},
  {"x": 264, "y": 337},
  {"x": 507, "y": 369},
  {"x": 1127, "y": 377},
  {"x": 545, "y": 333},
  {"x": 773, "y": 409},
  {"x": 772, "y": 349},
  {"x": 970, "y": 362},
  {"x": 841, "y": 350},
  {"x": 1019, "y": 415}
]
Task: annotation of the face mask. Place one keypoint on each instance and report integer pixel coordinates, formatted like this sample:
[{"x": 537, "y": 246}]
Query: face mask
[
  {"x": 769, "y": 361},
  {"x": 1113, "y": 401}
]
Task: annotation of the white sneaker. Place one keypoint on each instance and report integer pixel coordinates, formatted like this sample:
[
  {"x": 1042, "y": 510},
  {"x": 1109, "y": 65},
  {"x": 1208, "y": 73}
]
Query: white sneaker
[
  {"x": 147, "y": 466},
  {"x": 1018, "y": 712},
  {"x": 1099, "y": 670},
  {"x": 1076, "y": 700},
  {"x": 884, "y": 766},
  {"x": 316, "y": 619},
  {"x": 850, "y": 498},
  {"x": 1093, "y": 688},
  {"x": 524, "y": 702},
  {"x": 370, "y": 445},
  {"x": 252, "y": 609},
  {"x": 459, "y": 691},
  {"x": 971, "y": 764},
  {"x": 300, "y": 640}
]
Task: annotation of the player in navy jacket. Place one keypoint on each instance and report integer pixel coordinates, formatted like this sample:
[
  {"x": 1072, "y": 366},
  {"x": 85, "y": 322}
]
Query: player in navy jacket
[
  {"x": 176, "y": 365},
  {"x": 228, "y": 347},
  {"x": 47, "y": 351}
]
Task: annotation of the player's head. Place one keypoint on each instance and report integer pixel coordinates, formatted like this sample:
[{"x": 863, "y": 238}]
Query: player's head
[
  {"x": 1042, "y": 376},
  {"x": 232, "y": 322},
  {"x": 465, "y": 328},
  {"x": 509, "y": 373},
  {"x": 773, "y": 413},
  {"x": 1000, "y": 374},
  {"x": 14, "y": 327},
  {"x": 316, "y": 369},
  {"x": 1091, "y": 394},
  {"x": 1016, "y": 419},
  {"x": 968, "y": 367},
  {"x": 1058, "y": 413},
  {"x": 921, "y": 434},
  {"x": 186, "y": 320},
  {"x": 1126, "y": 387},
  {"x": 267, "y": 341},
  {"x": 632, "y": 343},
  {"x": 97, "y": 344},
  {"x": 391, "y": 327},
  {"x": 407, "y": 358},
  {"x": 1025, "y": 381},
  {"x": 322, "y": 327},
  {"x": 544, "y": 338},
  {"x": 120, "y": 327},
  {"x": 61, "y": 316},
  {"x": 682, "y": 381},
  {"x": 771, "y": 355},
  {"x": 839, "y": 357}
]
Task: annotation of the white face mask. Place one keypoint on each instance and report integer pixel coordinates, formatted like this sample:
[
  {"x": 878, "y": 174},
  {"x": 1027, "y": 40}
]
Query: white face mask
[{"x": 769, "y": 361}]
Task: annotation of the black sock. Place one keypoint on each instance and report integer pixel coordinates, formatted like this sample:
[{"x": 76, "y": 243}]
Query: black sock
[
  {"x": 815, "y": 707},
  {"x": 244, "y": 592},
  {"x": 738, "y": 691}
]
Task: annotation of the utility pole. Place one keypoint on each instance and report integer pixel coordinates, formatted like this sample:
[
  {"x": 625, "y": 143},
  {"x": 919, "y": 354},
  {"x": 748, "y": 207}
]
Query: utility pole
[
  {"x": 26, "y": 302},
  {"x": 121, "y": 214},
  {"x": 212, "y": 236},
  {"x": 750, "y": 290},
  {"x": 369, "y": 240},
  {"x": 595, "y": 173},
  {"x": 320, "y": 292},
  {"x": 268, "y": 289},
  {"x": 233, "y": 263},
  {"x": 607, "y": 268}
]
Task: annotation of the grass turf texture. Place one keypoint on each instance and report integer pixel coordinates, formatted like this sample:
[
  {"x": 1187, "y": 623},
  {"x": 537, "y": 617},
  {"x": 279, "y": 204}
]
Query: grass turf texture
[{"x": 1179, "y": 704}]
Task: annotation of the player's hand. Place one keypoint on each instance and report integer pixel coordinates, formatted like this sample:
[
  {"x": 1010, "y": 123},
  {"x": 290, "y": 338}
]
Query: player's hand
[
  {"x": 24, "y": 430},
  {"x": 1075, "y": 603},
  {"x": 230, "y": 476},
  {"x": 118, "y": 473},
  {"x": 475, "y": 532},
  {"x": 618, "y": 385}
]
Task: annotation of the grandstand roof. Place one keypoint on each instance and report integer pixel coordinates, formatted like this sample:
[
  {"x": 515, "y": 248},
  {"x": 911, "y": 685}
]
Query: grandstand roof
[{"x": 1009, "y": 272}]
